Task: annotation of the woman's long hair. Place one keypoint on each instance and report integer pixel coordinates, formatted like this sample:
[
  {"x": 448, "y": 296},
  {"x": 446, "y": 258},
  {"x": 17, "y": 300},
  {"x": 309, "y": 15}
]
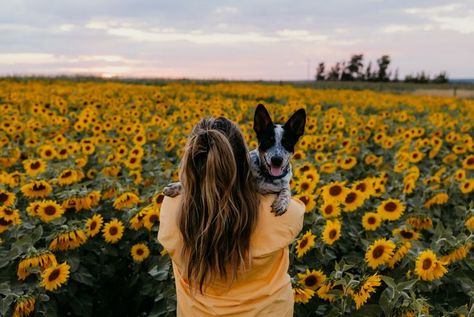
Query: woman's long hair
[{"x": 219, "y": 201}]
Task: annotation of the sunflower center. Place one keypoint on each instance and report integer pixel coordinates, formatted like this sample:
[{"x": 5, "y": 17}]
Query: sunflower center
[
  {"x": 54, "y": 275},
  {"x": 406, "y": 234},
  {"x": 351, "y": 197},
  {"x": 50, "y": 210},
  {"x": 4, "y": 222},
  {"x": 332, "y": 234},
  {"x": 93, "y": 225},
  {"x": 328, "y": 210},
  {"x": 310, "y": 280},
  {"x": 140, "y": 252},
  {"x": 305, "y": 186},
  {"x": 371, "y": 220},
  {"x": 159, "y": 199},
  {"x": 153, "y": 218},
  {"x": 3, "y": 197},
  {"x": 113, "y": 231},
  {"x": 378, "y": 251},
  {"x": 303, "y": 243},
  {"x": 133, "y": 160},
  {"x": 390, "y": 206},
  {"x": 35, "y": 165},
  {"x": 335, "y": 190},
  {"x": 304, "y": 168},
  {"x": 38, "y": 187},
  {"x": 470, "y": 161},
  {"x": 48, "y": 153},
  {"x": 361, "y": 187},
  {"x": 427, "y": 264},
  {"x": 304, "y": 199},
  {"x": 8, "y": 211},
  {"x": 67, "y": 174},
  {"x": 63, "y": 152}
]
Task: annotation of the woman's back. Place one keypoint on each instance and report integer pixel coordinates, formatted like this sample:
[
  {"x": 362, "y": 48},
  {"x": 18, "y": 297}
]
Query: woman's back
[{"x": 264, "y": 289}]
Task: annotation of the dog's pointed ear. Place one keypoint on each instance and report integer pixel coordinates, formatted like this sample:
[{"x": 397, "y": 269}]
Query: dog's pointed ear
[
  {"x": 261, "y": 120},
  {"x": 297, "y": 122}
]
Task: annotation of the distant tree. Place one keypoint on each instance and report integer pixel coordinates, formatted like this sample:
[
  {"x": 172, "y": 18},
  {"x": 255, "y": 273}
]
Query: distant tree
[
  {"x": 320, "y": 72},
  {"x": 353, "y": 70},
  {"x": 441, "y": 78},
  {"x": 334, "y": 72},
  {"x": 368, "y": 72},
  {"x": 395, "y": 76},
  {"x": 383, "y": 63}
]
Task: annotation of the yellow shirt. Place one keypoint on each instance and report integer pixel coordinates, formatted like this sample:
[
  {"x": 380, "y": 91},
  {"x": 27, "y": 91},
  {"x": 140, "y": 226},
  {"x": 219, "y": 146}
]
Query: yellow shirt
[{"x": 264, "y": 289}]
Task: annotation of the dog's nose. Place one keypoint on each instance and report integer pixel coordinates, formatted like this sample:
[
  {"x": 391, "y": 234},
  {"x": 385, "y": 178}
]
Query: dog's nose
[{"x": 277, "y": 160}]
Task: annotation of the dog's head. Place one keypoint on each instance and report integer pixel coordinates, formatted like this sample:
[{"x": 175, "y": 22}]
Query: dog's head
[{"x": 276, "y": 142}]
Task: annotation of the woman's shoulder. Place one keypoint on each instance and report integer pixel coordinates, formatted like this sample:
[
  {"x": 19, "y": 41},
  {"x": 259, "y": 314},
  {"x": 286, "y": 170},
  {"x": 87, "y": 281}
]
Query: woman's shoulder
[{"x": 276, "y": 232}]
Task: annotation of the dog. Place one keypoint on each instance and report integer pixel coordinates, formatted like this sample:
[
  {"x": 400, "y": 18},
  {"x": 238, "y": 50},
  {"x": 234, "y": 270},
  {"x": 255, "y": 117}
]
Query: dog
[{"x": 270, "y": 162}]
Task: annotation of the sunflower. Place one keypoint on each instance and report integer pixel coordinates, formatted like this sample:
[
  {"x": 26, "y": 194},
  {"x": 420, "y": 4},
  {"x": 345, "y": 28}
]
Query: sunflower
[
  {"x": 302, "y": 295},
  {"x": 361, "y": 296},
  {"x": 34, "y": 167},
  {"x": 391, "y": 209},
  {"x": 136, "y": 222},
  {"x": 348, "y": 163},
  {"x": 379, "y": 253},
  {"x": 48, "y": 210},
  {"x": 47, "y": 152},
  {"x": 329, "y": 210},
  {"x": 308, "y": 201},
  {"x": 305, "y": 243},
  {"x": 312, "y": 279},
  {"x": 457, "y": 254},
  {"x": 332, "y": 231},
  {"x": 94, "y": 224},
  {"x": 371, "y": 221},
  {"x": 69, "y": 176},
  {"x": 158, "y": 199},
  {"x": 460, "y": 174},
  {"x": 470, "y": 223},
  {"x": 467, "y": 186},
  {"x": 420, "y": 222},
  {"x": 399, "y": 254},
  {"x": 41, "y": 260},
  {"x": 7, "y": 199},
  {"x": 126, "y": 200},
  {"x": 364, "y": 187},
  {"x": 68, "y": 240},
  {"x": 468, "y": 162},
  {"x": 334, "y": 192},
  {"x": 151, "y": 218},
  {"x": 328, "y": 168},
  {"x": 32, "y": 208},
  {"x": 406, "y": 234},
  {"x": 140, "y": 252},
  {"x": 427, "y": 266},
  {"x": 24, "y": 306},
  {"x": 55, "y": 276},
  {"x": 323, "y": 292},
  {"x": 353, "y": 200},
  {"x": 113, "y": 231},
  {"x": 37, "y": 189}
]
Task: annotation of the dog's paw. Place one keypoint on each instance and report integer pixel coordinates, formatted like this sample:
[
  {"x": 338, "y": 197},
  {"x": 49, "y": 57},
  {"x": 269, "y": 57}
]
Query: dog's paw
[
  {"x": 172, "y": 190},
  {"x": 280, "y": 205}
]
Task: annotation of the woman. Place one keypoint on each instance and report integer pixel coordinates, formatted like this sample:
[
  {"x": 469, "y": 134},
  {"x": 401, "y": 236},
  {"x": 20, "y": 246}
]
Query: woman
[{"x": 229, "y": 253}]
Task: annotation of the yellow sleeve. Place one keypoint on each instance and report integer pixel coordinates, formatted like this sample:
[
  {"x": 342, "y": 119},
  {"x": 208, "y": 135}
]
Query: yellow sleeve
[{"x": 168, "y": 232}]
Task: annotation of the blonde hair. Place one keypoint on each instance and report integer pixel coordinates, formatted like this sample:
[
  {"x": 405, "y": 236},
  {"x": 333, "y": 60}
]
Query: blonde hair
[{"x": 219, "y": 201}]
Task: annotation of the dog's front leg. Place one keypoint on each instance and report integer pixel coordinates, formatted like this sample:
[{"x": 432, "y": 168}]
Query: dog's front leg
[
  {"x": 173, "y": 189},
  {"x": 280, "y": 204}
]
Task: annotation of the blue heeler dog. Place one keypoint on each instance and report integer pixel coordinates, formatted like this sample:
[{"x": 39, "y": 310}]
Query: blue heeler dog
[{"x": 270, "y": 162}]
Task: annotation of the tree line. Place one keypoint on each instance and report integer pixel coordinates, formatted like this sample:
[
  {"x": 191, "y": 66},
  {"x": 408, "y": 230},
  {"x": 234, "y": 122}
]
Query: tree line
[{"x": 354, "y": 70}]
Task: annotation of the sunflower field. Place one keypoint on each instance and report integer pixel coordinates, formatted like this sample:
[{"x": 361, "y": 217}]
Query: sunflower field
[{"x": 387, "y": 180}]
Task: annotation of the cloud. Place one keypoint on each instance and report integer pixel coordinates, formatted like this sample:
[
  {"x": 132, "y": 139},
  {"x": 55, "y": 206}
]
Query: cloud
[
  {"x": 144, "y": 34},
  {"x": 453, "y": 17},
  {"x": 46, "y": 58}
]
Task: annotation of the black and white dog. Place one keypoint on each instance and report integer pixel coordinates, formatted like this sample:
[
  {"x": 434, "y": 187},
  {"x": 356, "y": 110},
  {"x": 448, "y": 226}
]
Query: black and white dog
[{"x": 270, "y": 162}]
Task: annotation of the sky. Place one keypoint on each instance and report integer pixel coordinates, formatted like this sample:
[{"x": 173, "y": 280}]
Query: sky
[{"x": 245, "y": 39}]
